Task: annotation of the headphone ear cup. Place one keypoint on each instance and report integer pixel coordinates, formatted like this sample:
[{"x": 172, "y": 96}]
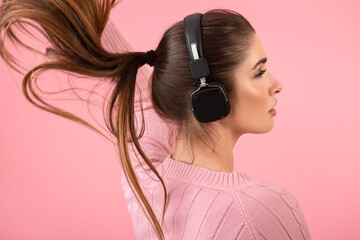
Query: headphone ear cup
[{"x": 209, "y": 103}]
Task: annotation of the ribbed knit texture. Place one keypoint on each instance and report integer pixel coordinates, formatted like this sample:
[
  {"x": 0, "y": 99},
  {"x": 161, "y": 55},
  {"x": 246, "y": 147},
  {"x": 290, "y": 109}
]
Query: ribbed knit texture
[{"x": 202, "y": 204}]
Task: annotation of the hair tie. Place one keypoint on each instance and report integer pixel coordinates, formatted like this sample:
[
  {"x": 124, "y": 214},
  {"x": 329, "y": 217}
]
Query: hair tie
[{"x": 150, "y": 57}]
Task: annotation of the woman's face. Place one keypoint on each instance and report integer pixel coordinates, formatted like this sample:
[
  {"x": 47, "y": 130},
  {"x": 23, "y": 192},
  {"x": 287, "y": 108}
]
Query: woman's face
[{"x": 254, "y": 95}]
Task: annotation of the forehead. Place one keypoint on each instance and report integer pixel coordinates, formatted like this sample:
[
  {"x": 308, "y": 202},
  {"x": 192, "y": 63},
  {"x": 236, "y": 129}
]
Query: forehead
[{"x": 256, "y": 53}]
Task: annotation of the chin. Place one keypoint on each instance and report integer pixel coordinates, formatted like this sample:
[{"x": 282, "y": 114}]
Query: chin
[
  {"x": 263, "y": 129},
  {"x": 270, "y": 127}
]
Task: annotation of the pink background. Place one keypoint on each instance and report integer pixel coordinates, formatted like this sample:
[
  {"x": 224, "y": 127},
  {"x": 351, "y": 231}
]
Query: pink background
[{"x": 61, "y": 181}]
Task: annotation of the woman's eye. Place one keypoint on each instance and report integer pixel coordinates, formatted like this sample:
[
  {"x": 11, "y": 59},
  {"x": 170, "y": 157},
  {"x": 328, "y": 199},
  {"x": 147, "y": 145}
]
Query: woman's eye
[{"x": 260, "y": 73}]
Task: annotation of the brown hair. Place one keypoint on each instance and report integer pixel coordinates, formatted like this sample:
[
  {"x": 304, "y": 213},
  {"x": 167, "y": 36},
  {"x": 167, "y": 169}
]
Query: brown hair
[{"x": 226, "y": 37}]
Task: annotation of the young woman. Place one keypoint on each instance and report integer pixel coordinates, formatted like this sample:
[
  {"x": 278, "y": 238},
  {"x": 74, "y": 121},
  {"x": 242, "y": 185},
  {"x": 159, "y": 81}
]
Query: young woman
[{"x": 178, "y": 171}]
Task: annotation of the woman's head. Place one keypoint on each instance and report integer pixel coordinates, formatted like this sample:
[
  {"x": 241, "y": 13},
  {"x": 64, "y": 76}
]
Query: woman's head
[{"x": 230, "y": 47}]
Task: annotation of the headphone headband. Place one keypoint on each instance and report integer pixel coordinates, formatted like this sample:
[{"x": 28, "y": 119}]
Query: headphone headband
[
  {"x": 193, "y": 28},
  {"x": 198, "y": 64}
]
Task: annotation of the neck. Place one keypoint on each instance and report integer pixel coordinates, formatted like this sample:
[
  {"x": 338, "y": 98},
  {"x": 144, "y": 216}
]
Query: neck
[{"x": 203, "y": 155}]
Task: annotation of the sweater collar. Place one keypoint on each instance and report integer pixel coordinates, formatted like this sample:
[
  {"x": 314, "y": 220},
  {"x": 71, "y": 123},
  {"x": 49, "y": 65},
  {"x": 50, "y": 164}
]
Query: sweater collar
[{"x": 203, "y": 176}]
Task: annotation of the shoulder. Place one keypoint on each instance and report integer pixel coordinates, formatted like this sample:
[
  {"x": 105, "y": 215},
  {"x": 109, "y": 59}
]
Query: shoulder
[
  {"x": 202, "y": 212},
  {"x": 260, "y": 191},
  {"x": 271, "y": 211}
]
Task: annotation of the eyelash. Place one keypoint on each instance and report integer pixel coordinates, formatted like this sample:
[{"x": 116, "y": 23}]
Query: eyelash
[{"x": 260, "y": 73}]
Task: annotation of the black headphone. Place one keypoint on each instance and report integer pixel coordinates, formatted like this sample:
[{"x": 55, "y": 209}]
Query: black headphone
[{"x": 208, "y": 101}]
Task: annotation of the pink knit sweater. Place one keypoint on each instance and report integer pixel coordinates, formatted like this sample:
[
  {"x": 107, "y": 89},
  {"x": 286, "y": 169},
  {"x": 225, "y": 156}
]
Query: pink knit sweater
[{"x": 202, "y": 204}]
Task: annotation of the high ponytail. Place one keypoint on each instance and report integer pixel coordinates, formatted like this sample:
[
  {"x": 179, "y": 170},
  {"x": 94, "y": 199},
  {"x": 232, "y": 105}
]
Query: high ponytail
[{"x": 74, "y": 29}]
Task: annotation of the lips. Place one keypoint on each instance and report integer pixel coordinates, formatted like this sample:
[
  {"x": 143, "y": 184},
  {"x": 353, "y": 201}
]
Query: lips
[{"x": 273, "y": 107}]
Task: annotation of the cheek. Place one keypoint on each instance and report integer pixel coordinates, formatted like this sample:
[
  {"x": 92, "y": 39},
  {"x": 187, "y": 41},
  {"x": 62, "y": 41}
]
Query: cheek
[{"x": 251, "y": 102}]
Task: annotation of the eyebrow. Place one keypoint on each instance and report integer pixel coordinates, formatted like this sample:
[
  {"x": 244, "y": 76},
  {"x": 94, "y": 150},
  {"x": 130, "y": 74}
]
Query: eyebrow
[{"x": 263, "y": 60}]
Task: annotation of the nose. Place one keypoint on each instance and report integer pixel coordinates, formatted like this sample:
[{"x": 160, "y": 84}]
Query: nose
[{"x": 277, "y": 86}]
